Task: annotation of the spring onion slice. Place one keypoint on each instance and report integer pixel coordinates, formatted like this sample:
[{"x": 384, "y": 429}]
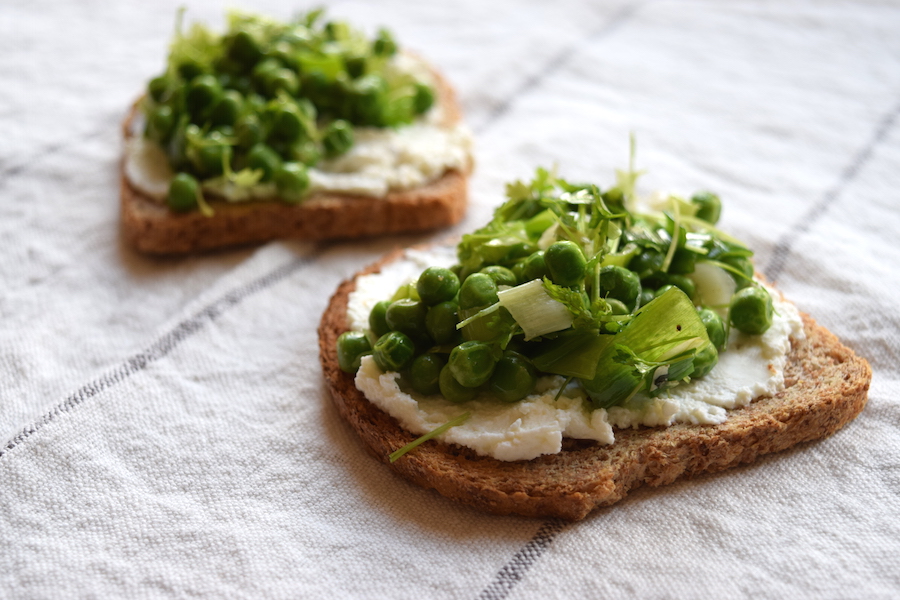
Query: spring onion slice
[
  {"x": 534, "y": 310},
  {"x": 434, "y": 432}
]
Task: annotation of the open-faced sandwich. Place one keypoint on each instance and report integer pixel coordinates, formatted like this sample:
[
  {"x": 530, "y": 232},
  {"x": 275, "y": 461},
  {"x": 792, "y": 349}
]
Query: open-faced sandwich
[
  {"x": 581, "y": 344},
  {"x": 306, "y": 129}
]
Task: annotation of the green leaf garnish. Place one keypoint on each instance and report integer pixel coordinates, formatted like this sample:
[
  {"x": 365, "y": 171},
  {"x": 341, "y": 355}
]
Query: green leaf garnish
[{"x": 663, "y": 331}]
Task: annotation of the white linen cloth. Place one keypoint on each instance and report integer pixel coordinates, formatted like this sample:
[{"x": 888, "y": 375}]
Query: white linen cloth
[{"x": 165, "y": 428}]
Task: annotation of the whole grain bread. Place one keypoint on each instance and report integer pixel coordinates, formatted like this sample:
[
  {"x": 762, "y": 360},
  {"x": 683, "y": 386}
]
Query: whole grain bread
[
  {"x": 826, "y": 386},
  {"x": 152, "y": 228}
]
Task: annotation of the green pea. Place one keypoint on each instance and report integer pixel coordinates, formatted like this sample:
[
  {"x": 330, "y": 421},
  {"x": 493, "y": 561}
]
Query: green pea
[
  {"x": 646, "y": 263},
  {"x": 535, "y": 267},
  {"x": 519, "y": 250},
  {"x": 288, "y": 124},
  {"x": 377, "y": 321},
  {"x": 160, "y": 123},
  {"x": 440, "y": 322},
  {"x": 351, "y": 347},
  {"x": 292, "y": 181},
  {"x": 384, "y": 44},
  {"x": 472, "y": 363},
  {"x": 751, "y": 310},
  {"x": 500, "y": 275},
  {"x": 424, "y": 98},
  {"x": 514, "y": 377},
  {"x": 202, "y": 94},
  {"x": 704, "y": 360},
  {"x": 367, "y": 99},
  {"x": 621, "y": 284},
  {"x": 263, "y": 71},
  {"x": 183, "y": 193},
  {"x": 715, "y": 327},
  {"x": 393, "y": 351},
  {"x": 685, "y": 284},
  {"x": 355, "y": 65},
  {"x": 337, "y": 138},
  {"x": 425, "y": 373},
  {"x": 683, "y": 262},
  {"x": 282, "y": 80},
  {"x": 227, "y": 109},
  {"x": 158, "y": 87},
  {"x": 212, "y": 156},
  {"x": 709, "y": 206},
  {"x": 306, "y": 152},
  {"x": 249, "y": 130},
  {"x": 407, "y": 316},
  {"x": 263, "y": 157},
  {"x": 566, "y": 263},
  {"x": 243, "y": 47},
  {"x": 437, "y": 284},
  {"x": 477, "y": 291},
  {"x": 189, "y": 68},
  {"x": 647, "y": 295},
  {"x": 452, "y": 390}
]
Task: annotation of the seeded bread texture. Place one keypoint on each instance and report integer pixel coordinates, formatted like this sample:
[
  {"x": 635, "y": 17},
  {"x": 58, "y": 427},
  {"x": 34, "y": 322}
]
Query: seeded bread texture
[
  {"x": 826, "y": 386},
  {"x": 152, "y": 228}
]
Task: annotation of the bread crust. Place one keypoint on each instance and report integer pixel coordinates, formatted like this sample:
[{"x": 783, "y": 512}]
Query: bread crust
[
  {"x": 826, "y": 386},
  {"x": 152, "y": 228}
]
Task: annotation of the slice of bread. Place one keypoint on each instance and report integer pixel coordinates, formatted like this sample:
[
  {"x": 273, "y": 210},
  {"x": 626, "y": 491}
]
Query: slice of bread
[
  {"x": 152, "y": 228},
  {"x": 826, "y": 386}
]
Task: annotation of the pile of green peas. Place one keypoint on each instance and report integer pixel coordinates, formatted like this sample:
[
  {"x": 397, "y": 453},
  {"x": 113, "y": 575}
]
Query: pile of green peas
[
  {"x": 416, "y": 334},
  {"x": 274, "y": 98}
]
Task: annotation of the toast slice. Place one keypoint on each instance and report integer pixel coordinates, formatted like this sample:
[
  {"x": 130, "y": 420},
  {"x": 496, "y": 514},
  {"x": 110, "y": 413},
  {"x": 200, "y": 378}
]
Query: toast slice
[
  {"x": 152, "y": 228},
  {"x": 826, "y": 386}
]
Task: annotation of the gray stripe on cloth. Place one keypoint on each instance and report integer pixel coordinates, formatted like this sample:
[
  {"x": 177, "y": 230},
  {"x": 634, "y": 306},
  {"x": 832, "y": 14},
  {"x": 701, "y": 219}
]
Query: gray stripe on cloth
[
  {"x": 159, "y": 349},
  {"x": 10, "y": 171},
  {"x": 554, "y": 63},
  {"x": 513, "y": 572},
  {"x": 785, "y": 244}
]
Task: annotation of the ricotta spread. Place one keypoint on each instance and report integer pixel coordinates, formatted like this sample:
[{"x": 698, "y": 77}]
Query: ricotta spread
[
  {"x": 751, "y": 366},
  {"x": 380, "y": 160}
]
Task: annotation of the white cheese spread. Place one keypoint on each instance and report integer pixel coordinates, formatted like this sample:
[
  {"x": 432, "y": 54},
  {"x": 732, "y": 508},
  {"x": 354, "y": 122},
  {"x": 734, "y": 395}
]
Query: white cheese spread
[{"x": 750, "y": 367}]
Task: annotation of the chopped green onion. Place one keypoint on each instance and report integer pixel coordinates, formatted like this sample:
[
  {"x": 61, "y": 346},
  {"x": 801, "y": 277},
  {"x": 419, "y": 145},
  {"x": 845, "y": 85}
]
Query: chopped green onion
[{"x": 534, "y": 310}]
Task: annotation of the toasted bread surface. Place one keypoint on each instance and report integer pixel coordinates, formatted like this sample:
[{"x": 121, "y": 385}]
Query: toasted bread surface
[
  {"x": 152, "y": 228},
  {"x": 826, "y": 386}
]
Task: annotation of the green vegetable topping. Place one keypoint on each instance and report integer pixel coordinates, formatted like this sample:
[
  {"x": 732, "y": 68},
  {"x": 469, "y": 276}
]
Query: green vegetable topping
[
  {"x": 232, "y": 108},
  {"x": 352, "y": 346},
  {"x": 567, "y": 279},
  {"x": 751, "y": 310},
  {"x": 425, "y": 373},
  {"x": 183, "y": 193},
  {"x": 437, "y": 284},
  {"x": 513, "y": 378},
  {"x": 393, "y": 351},
  {"x": 709, "y": 207},
  {"x": 472, "y": 363},
  {"x": 565, "y": 262}
]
